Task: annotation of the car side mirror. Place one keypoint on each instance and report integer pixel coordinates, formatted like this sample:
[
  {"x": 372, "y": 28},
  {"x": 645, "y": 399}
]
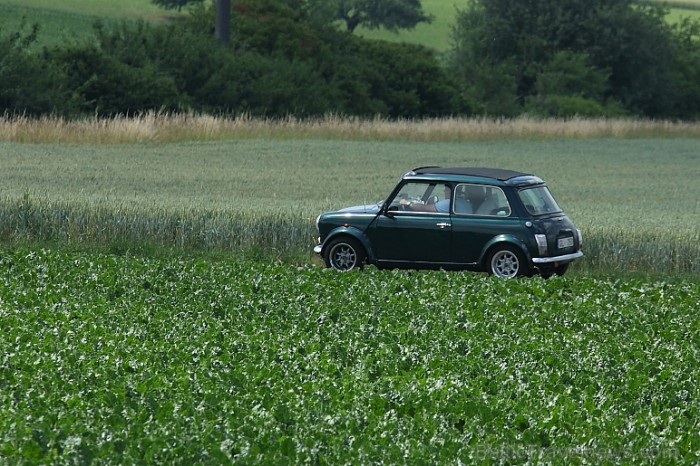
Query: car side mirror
[{"x": 389, "y": 211}]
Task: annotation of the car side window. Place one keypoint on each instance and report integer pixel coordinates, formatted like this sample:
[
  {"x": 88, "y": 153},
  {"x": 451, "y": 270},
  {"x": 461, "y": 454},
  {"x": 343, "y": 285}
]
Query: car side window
[
  {"x": 412, "y": 192},
  {"x": 440, "y": 197},
  {"x": 422, "y": 197},
  {"x": 482, "y": 200}
]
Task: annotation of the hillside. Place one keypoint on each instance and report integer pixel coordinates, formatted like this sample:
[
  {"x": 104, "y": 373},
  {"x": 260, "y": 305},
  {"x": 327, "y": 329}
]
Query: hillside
[
  {"x": 100, "y": 8},
  {"x": 437, "y": 34},
  {"x": 73, "y": 19}
]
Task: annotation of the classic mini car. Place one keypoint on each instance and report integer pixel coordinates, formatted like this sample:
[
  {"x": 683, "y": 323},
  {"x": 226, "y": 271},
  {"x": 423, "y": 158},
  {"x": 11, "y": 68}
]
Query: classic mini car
[{"x": 500, "y": 221}]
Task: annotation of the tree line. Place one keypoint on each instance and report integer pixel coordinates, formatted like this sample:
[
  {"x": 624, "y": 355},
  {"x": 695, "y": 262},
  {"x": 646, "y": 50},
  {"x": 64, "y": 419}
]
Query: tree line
[{"x": 289, "y": 57}]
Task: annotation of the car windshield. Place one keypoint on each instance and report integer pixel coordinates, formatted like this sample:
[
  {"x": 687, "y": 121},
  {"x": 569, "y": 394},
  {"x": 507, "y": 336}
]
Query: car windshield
[{"x": 538, "y": 200}]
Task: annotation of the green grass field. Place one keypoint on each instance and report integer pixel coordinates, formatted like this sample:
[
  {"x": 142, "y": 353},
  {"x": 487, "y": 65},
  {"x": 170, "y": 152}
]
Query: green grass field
[
  {"x": 73, "y": 19},
  {"x": 438, "y": 33},
  {"x": 134, "y": 9}
]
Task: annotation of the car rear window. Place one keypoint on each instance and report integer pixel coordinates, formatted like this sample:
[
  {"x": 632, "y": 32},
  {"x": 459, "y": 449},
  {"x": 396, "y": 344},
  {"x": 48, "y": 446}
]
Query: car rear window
[{"x": 538, "y": 200}]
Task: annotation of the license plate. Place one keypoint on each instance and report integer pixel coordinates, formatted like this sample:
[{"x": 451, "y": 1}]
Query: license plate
[{"x": 565, "y": 242}]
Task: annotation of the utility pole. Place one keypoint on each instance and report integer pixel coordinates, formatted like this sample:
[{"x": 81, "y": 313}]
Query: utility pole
[{"x": 223, "y": 21}]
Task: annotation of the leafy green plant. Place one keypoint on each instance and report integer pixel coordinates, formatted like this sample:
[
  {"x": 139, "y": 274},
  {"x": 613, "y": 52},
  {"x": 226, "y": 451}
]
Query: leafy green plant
[{"x": 118, "y": 359}]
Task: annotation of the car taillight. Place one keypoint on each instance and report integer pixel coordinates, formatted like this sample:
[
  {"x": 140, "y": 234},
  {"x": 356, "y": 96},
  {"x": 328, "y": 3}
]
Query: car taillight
[
  {"x": 580, "y": 238},
  {"x": 541, "y": 244}
]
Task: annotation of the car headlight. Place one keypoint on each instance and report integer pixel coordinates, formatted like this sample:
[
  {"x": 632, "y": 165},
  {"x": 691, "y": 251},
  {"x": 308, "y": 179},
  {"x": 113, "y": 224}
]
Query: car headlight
[
  {"x": 541, "y": 244},
  {"x": 580, "y": 238},
  {"x": 318, "y": 219}
]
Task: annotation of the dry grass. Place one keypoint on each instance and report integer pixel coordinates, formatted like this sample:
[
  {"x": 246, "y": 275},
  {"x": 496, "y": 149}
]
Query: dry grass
[{"x": 158, "y": 127}]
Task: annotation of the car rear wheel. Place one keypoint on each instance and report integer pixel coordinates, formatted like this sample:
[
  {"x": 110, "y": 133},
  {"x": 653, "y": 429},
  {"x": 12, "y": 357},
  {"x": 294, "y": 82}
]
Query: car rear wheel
[
  {"x": 507, "y": 262},
  {"x": 344, "y": 254}
]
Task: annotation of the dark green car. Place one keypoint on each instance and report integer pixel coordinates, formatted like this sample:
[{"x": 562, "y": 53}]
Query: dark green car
[{"x": 500, "y": 221}]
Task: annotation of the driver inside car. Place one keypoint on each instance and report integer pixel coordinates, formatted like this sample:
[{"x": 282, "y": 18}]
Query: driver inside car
[{"x": 443, "y": 206}]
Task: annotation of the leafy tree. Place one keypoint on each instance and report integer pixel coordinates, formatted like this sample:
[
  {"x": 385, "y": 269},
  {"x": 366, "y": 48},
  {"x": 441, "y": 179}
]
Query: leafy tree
[
  {"x": 29, "y": 83},
  {"x": 407, "y": 79},
  {"x": 628, "y": 44},
  {"x": 271, "y": 26},
  {"x": 119, "y": 74},
  {"x": 108, "y": 86},
  {"x": 686, "y": 71},
  {"x": 269, "y": 86},
  {"x": 570, "y": 85},
  {"x": 344, "y": 73},
  {"x": 390, "y": 14},
  {"x": 174, "y": 4}
]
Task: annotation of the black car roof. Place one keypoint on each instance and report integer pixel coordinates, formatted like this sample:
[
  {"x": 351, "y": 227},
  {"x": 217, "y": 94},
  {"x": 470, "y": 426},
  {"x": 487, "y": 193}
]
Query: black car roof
[{"x": 495, "y": 173}]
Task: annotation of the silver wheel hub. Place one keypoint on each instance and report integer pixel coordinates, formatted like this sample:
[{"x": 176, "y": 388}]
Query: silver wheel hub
[
  {"x": 343, "y": 257},
  {"x": 505, "y": 264}
]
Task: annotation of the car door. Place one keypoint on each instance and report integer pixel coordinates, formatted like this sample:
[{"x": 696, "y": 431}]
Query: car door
[
  {"x": 472, "y": 231},
  {"x": 402, "y": 235}
]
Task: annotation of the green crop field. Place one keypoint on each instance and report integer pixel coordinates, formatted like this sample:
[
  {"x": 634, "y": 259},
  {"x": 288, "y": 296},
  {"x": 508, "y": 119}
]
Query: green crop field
[
  {"x": 203, "y": 355},
  {"x": 122, "y": 360},
  {"x": 636, "y": 200}
]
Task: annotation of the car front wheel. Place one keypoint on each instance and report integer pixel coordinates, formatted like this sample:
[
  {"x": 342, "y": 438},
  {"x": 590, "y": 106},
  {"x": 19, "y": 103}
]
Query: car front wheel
[
  {"x": 344, "y": 254},
  {"x": 507, "y": 262}
]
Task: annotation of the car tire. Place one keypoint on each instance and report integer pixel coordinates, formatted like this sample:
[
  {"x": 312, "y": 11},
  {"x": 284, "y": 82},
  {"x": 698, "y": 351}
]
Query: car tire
[
  {"x": 507, "y": 262},
  {"x": 344, "y": 254}
]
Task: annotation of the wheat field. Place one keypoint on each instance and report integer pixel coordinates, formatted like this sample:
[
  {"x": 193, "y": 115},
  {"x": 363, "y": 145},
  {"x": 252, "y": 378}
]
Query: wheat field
[{"x": 254, "y": 187}]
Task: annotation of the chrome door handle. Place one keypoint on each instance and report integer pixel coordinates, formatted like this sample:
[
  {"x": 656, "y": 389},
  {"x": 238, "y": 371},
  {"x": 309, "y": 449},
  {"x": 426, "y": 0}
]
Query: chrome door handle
[{"x": 442, "y": 225}]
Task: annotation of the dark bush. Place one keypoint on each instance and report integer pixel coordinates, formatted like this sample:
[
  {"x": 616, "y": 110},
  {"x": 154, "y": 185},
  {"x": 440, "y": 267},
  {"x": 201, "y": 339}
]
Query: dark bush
[
  {"x": 30, "y": 84},
  {"x": 107, "y": 86},
  {"x": 545, "y": 57},
  {"x": 647, "y": 66},
  {"x": 270, "y": 86}
]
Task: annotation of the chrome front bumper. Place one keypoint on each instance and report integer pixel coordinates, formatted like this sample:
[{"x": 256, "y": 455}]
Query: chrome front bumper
[
  {"x": 317, "y": 249},
  {"x": 564, "y": 258}
]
